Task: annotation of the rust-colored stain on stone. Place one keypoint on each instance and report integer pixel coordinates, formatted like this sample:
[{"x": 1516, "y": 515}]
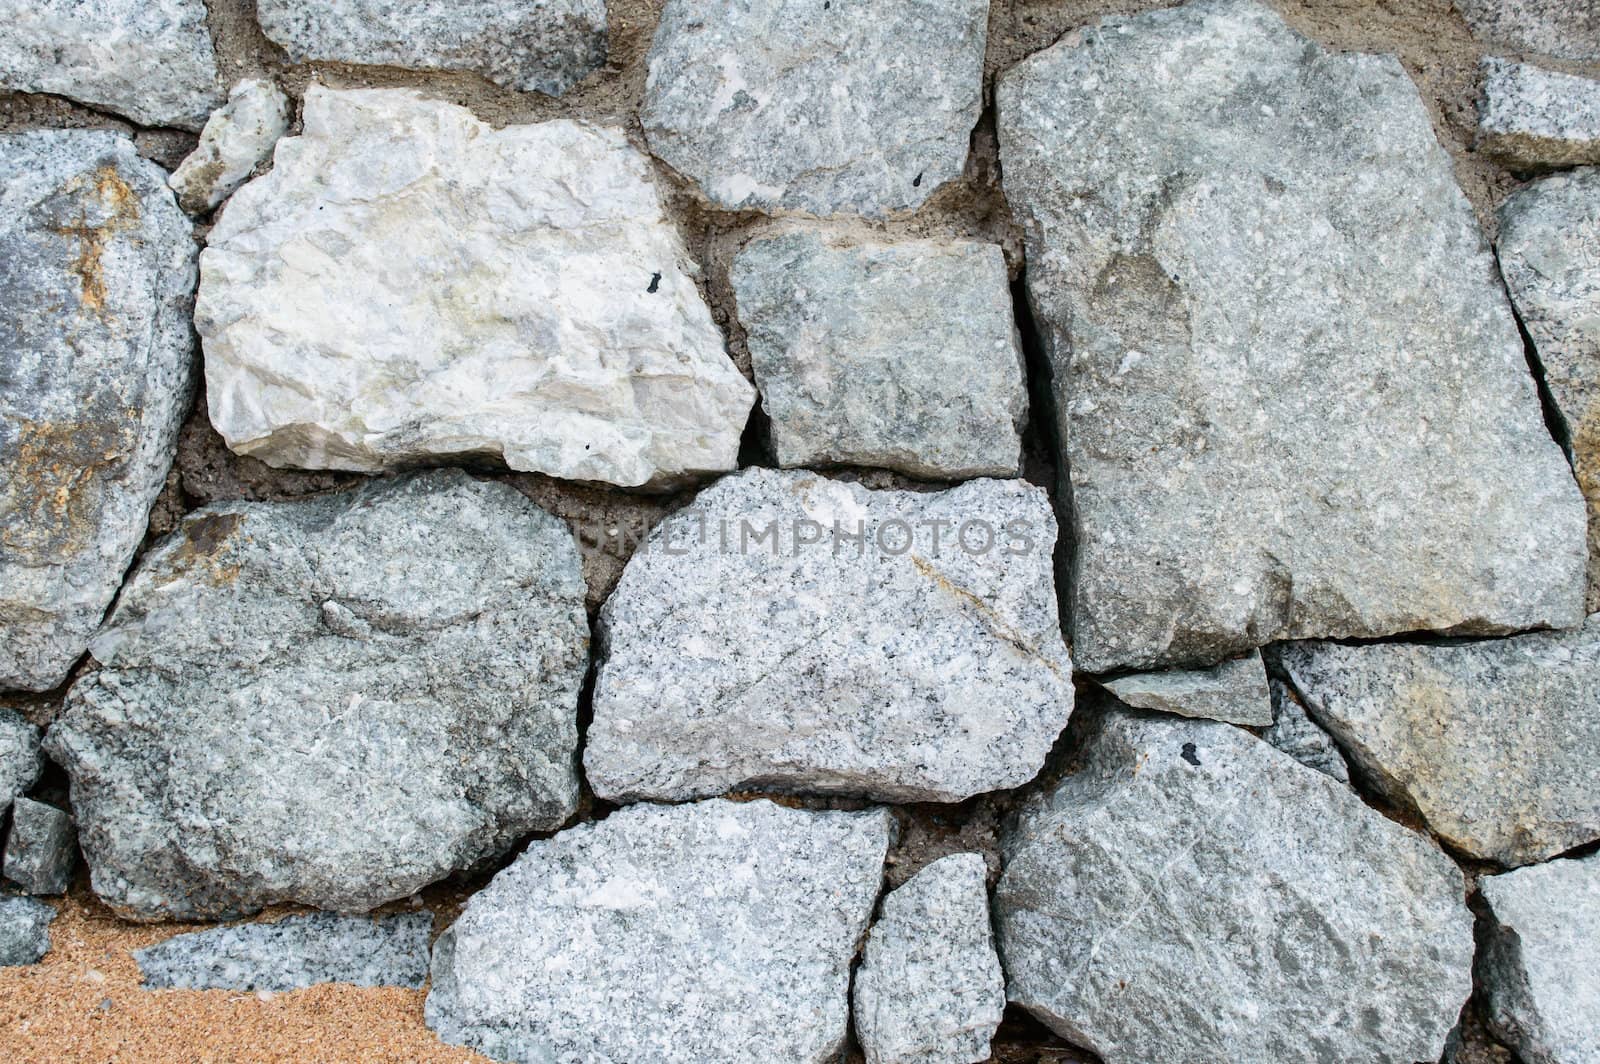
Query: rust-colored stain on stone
[
  {"x": 204, "y": 547},
  {"x": 52, "y": 498},
  {"x": 120, "y": 205}
]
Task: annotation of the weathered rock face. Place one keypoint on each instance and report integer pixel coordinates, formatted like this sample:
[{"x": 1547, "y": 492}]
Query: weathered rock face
[
  {"x": 674, "y": 934},
  {"x": 24, "y": 929},
  {"x": 797, "y": 106},
  {"x": 929, "y": 989},
  {"x": 1560, "y": 28},
  {"x": 293, "y": 953},
  {"x": 530, "y": 45},
  {"x": 238, "y": 137},
  {"x": 1550, "y": 257},
  {"x": 1496, "y": 743},
  {"x": 1276, "y": 425},
  {"x": 1530, "y": 117},
  {"x": 331, "y": 701},
  {"x": 1538, "y": 963},
  {"x": 97, "y": 275},
  {"x": 408, "y": 285},
  {"x": 753, "y": 643},
  {"x": 21, "y": 760},
  {"x": 1296, "y": 734},
  {"x": 151, "y": 60},
  {"x": 41, "y": 848},
  {"x": 1189, "y": 894},
  {"x": 902, "y": 355},
  {"x": 1234, "y": 691}
]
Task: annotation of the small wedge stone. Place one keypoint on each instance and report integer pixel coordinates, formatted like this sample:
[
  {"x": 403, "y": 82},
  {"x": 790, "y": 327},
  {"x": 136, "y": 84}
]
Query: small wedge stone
[
  {"x": 294, "y": 953},
  {"x": 1234, "y": 691},
  {"x": 24, "y": 929},
  {"x": 1534, "y": 118},
  {"x": 41, "y": 849},
  {"x": 237, "y": 138},
  {"x": 21, "y": 759}
]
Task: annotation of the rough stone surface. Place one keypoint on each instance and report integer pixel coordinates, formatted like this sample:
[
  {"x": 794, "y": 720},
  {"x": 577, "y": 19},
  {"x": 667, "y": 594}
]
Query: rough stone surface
[
  {"x": 1234, "y": 691},
  {"x": 237, "y": 138},
  {"x": 151, "y": 60},
  {"x": 687, "y": 934},
  {"x": 749, "y": 645},
  {"x": 333, "y": 701},
  {"x": 1567, "y": 29},
  {"x": 1190, "y": 894},
  {"x": 96, "y": 373},
  {"x": 293, "y": 953},
  {"x": 1538, "y": 964},
  {"x": 530, "y": 45},
  {"x": 408, "y": 285},
  {"x": 1496, "y": 743},
  {"x": 1275, "y": 424},
  {"x": 41, "y": 848},
  {"x": 21, "y": 760},
  {"x": 1550, "y": 257},
  {"x": 24, "y": 929},
  {"x": 929, "y": 989},
  {"x": 1296, "y": 734},
  {"x": 822, "y": 109},
  {"x": 901, "y": 355},
  {"x": 1530, "y": 117}
]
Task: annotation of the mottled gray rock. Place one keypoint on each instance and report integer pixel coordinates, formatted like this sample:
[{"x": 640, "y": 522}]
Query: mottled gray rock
[
  {"x": 752, "y": 644},
  {"x": 822, "y": 109},
  {"x": 929, "y": 989},
  {"x": 899, "y": 355},
  {"x": 1550, "y": 256},
  {"x": 714, "y": 932},
  {"x": 1276, "y": 424},
  {"x": 1234, "y": 691},
  {"x": 1496, "y": 743},
  {"x": 1567, "y": 29},
  {"x": 238, "y": 137},
  {"x": 96, "y": 375},
  {"x": 151, "y": 60},
  {"x": 1538, "y": 963},
  {"x": 332, "y": 701},
  {"x": 529, "y": 45},
  {"x": 1296, "y": 734},
  {"x": 1190, "y": 894},
  {"x": 41, "y": 848},
  {"x": 547, "y": 308},
  {"x": 24, "y": 930},
  {"x": 1531, "y": 117},
  {"x": 292, "y": 953},
  {"x": 21, "y": 760}
]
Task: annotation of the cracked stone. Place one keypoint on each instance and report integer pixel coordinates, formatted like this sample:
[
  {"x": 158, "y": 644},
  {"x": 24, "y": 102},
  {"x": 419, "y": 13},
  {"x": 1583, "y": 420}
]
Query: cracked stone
[
  {"x": 1257, "y": 446},
  {"x": 332, "y": 701},
  {"x": 548, "y": 309},
  {"x": 755, "y": 642}
]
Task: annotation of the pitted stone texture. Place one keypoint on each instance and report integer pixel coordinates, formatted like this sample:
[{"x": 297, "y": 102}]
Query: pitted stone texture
[
  {"x": 408, "y": 285},
  {"x": 21, "y": 760},
  {"x": 238, "y": 137},
  {"x": 1550, "y": 257},
  {"x": 929, "y": 989},
  {"x": 1296, "y": 734},
  {"x": 96, "y": 375},
  {"x": 1189, "y": 894},
  {"x": 293, "y": 953},
  {"x": 1531, "y": 117},
  {"x": 332, "y": 701},
  {"x": 712, "y": 933},
  {"x": 1276, "y": 425},
  {"x": 749, "y": 646},
  {"x": 1567, "y": 29},
  {"x": 1234, "y": 691},
  {"x": 41, "y": 848},
  {"x": 150, "y": 60},
  {"x": 822, "y": 109},
  {"x": 901, "y": 355},
  {"x": 1538, "y": 964},
  {"x": 24, "y": 930},
  {"x": 1496, "y": 743},
  {"x": 529, "y": 45}
]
